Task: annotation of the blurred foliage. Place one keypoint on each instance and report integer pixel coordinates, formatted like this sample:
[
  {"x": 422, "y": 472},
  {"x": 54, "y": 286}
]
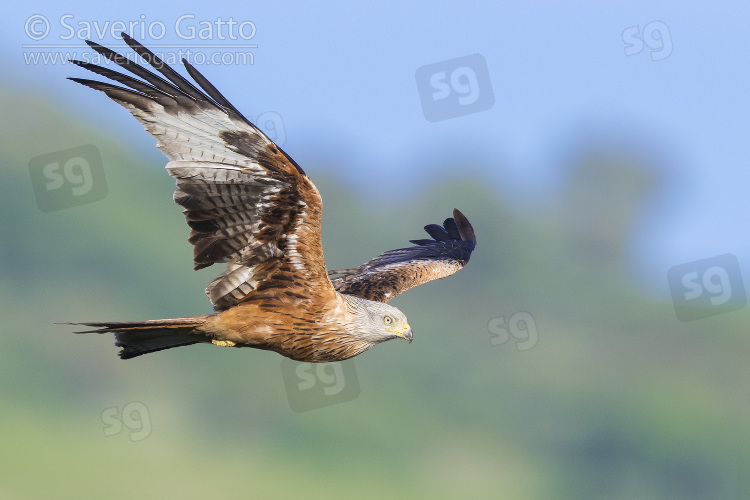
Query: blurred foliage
[{"x": 617, "y": 400}]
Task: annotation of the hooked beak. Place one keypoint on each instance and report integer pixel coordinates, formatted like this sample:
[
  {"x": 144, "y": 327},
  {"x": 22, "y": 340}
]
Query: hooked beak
[{"x": 405, "y": 332}]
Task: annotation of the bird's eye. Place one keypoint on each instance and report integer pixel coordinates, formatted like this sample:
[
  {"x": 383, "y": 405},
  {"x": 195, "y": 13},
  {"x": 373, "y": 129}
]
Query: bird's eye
[{"x": 387, "y": 320}]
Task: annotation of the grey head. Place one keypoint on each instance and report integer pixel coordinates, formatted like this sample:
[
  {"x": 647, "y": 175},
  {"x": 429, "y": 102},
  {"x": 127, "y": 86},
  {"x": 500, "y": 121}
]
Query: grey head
[{"x": 378, "y": 322}]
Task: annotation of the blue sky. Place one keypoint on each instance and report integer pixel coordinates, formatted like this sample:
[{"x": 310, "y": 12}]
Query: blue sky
[{"x": 341, "y": 77}]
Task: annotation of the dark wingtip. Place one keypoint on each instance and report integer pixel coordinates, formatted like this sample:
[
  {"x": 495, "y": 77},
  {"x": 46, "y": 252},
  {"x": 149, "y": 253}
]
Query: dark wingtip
[
  {"x": 422, "y": 242},
  {"x": 134, "y": 44},
  {"x": 438, "y": 233},
  {"x": 100, "y": 48},
  {"x": 84, "y": 81},
  {"x": 464, "y": 228}
]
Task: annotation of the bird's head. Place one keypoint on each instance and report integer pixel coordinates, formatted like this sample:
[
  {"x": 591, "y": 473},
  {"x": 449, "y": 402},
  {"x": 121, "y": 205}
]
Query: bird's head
[
  {"x": 395, "y": 324},
  {"x": 382, "y": 322}
]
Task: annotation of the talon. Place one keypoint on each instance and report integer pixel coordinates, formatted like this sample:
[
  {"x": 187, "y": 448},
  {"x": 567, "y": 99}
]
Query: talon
[{"x": 223, "y": 343}]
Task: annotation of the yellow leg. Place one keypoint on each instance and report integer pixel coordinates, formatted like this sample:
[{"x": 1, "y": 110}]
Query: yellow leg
[{"x": 223, "y": 343}]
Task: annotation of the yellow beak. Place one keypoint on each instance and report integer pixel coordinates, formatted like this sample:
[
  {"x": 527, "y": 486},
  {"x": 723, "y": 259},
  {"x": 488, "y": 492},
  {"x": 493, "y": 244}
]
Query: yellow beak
[{"x": 405, "y": 332}]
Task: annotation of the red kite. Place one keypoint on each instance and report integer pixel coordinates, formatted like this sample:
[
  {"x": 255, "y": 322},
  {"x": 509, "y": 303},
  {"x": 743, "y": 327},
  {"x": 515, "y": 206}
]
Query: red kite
[{"x": 251, "y": 206}]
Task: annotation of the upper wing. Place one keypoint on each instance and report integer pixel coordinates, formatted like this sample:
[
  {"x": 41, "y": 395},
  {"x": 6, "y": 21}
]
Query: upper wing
[
  {"x": 248, "y": 203},
  {"x": 396, "y": 271}
]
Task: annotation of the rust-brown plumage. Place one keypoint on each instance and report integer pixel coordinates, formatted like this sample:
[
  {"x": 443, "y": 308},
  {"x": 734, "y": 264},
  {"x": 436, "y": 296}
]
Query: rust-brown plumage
[{"x": 249, "y": 205}]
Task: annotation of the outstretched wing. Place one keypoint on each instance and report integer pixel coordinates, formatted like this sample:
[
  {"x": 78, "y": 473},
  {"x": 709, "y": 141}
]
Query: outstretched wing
[
  {"x": 247, "y": 203},
  {"x": 396, "y": 271}
]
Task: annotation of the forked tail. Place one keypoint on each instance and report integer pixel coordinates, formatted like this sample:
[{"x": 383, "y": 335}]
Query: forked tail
[{"x": 143, "y": 337}]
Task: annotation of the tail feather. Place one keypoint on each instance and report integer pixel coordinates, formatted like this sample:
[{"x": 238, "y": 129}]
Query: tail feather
[{"x": 142, "y": 337}]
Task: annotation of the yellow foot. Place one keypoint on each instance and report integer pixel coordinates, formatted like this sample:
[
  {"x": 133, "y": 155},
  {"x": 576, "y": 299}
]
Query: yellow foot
[{"x": 223, "y": 343}]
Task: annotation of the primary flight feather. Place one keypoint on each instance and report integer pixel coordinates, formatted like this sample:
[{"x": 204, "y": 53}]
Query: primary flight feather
[{"x": 251, "y": 206}]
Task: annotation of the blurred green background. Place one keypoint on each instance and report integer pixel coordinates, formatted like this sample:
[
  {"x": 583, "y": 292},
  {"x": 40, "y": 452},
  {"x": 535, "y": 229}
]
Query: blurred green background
[{"x": 618, "y": 399}]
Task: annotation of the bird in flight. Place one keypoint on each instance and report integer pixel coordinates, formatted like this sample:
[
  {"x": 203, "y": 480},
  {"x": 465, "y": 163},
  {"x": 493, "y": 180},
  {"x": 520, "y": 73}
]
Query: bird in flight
[{"x": 249, "y": 205}]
